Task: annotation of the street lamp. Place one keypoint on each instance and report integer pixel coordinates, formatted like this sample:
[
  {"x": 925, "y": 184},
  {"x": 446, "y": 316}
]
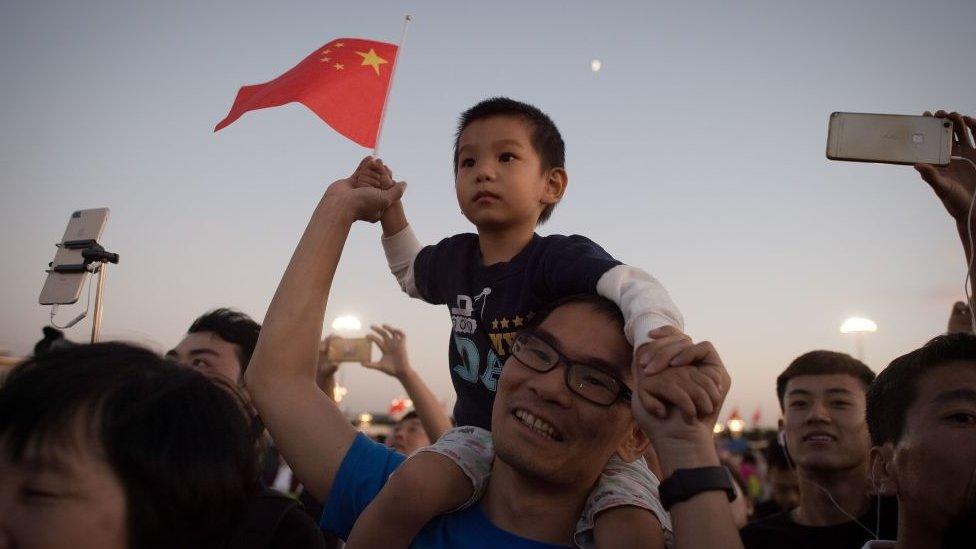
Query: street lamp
[
  {"x": 347, "y": 323},
  {"x": 858, "y": 326}
]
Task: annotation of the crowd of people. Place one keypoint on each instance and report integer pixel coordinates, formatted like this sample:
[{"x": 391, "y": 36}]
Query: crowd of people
[{"x": 585, "y": 419}]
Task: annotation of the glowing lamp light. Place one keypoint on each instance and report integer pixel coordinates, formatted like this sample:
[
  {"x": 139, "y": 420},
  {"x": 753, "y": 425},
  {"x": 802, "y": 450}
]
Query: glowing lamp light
[
  {"x": 347, "y": 323},
  {"x": 736, "y": 425},
  {"x": 339, "y": 392},
  {"x": 718, "y": 429},
  {"x": 596, "y": 65},
  {"x": 365, "y": 418},
  {"x": 856, "y": 325}
]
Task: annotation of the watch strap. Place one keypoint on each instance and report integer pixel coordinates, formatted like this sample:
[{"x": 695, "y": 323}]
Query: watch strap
[{"x": 684, "y": 484}]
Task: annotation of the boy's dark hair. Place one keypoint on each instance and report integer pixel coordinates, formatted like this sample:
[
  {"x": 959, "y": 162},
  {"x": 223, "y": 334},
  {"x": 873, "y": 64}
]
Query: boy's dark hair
[
  {"x": 233, "y": 327},
  {"x": 896, "y": 388},
  {"x": 820, "y": 363},
  {"x": 178, "y": 441},
  {"x": 546, "y": 138}
]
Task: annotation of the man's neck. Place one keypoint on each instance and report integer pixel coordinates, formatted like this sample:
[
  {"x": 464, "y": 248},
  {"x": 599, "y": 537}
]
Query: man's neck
[
  {"x": 914, "y": 534},
  {"x": 501, "y": 245},
  {"x": 532, "y": 509},
  {"x": 848, "y": 488}
]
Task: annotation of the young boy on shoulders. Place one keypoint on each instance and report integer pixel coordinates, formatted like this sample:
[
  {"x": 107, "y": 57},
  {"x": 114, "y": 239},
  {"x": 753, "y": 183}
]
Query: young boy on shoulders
[{"x": 510, "y": 173}]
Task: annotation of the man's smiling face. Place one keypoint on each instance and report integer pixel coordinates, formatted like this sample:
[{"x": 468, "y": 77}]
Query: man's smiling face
[{"x": 543, "y": 430}]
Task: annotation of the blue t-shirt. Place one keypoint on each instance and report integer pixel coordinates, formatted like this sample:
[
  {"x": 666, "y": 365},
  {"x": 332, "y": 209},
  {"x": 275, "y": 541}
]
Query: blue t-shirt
[
  {"x": 363, "y": 473},
  {"x": 489, "y": 305}
]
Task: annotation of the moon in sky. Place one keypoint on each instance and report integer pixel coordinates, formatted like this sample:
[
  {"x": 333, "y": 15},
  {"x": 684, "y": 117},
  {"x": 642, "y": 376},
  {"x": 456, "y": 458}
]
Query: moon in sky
[{"x": 595, "y": 65}]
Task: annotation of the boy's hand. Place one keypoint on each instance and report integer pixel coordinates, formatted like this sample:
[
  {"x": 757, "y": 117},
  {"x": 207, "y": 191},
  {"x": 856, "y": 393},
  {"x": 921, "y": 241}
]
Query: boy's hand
[
  {"x": 695, "y": 387},
  {"x": 364, "y": 202},
  {"x": 694, "y": 379},
  {"x": 374, "y": 173}
]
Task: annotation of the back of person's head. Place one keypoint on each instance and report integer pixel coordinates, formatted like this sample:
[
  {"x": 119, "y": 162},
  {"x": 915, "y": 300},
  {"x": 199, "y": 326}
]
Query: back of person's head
[
  {"x": 820, "y": 363},
  {"x": 608, "y": 309},
  {"x": 233, "y": 327},
  {"x": 546, "y": 139},
  {"x": 896, "y": 388},
  {"x": 178, "y": 442}
]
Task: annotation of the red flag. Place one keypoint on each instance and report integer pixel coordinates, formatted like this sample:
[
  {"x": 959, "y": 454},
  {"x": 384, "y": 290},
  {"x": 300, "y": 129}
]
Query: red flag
[
  {"x": 757, "y": 416},
  {"x": 345, "y": 82}
]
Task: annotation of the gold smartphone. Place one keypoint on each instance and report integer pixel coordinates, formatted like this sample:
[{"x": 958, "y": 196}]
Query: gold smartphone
[
  {"x": 889, "y": 138},
  {"x": 64, "y": 288},
  {"x": 357, "y": 349}
]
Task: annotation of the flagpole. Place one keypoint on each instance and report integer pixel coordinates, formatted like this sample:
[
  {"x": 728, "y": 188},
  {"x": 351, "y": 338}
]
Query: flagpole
[{"x": 389, "y": 91}]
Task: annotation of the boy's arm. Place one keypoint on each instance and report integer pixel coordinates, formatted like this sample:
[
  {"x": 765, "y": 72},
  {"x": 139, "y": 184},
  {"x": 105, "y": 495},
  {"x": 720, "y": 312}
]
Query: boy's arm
[
  {"x": 310, "y": 430},
  {"x": 644, "y": 302}
]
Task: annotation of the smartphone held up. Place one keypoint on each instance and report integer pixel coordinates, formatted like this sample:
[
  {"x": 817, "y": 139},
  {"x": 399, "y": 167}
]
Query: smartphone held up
[{"x": 889, "y": 138}]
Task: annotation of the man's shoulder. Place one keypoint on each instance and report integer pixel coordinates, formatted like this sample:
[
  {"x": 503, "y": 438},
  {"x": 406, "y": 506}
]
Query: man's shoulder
[{"x": 770, "y": 531}]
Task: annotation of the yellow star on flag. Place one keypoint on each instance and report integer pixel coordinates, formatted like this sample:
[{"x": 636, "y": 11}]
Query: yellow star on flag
[
  {"x": 339, "y": 45},
  {"x": 372, "y": 60},
  {"x": 339, "y": 66}
]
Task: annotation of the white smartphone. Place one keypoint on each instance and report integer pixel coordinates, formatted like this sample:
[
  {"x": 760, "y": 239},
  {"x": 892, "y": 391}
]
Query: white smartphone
[
  {"x": 889, "y": 138},
  {"x": 65, "y": 288}
]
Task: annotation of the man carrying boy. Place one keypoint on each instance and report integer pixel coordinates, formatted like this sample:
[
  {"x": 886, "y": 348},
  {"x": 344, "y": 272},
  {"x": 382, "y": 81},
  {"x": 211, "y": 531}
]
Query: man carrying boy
[{"x": 529, "y": 501}]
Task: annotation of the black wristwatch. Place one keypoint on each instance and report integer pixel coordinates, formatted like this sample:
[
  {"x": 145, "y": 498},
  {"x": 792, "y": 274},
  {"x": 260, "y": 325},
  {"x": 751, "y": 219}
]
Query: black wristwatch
[{"x": 684, "y": 484}]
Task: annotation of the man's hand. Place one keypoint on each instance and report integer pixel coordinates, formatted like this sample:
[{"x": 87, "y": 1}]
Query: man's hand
[
  {"x": 954, "y": 184},
  {"x": 393, "y": 344},
  {"x": 960, "y": 319},
  {"x": 326, "y": 367},
  {"x": 364, "y": 202},
  {"x": 374, "y": 173},
  {"x": 694, "y": 385}
]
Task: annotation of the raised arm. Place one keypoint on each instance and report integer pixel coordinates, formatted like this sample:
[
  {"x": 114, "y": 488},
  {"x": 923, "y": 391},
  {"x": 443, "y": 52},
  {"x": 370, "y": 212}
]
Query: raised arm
[
  {"x": 308, "y": 427},
  {"x": 393, "y": 343},
  {"x": 683, "y": 441},
  {"x": 954, "y": 184}
]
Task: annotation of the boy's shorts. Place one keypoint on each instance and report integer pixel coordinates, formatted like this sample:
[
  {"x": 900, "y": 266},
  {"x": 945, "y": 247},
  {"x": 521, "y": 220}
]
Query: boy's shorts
[{"x": 620, "y": 484}]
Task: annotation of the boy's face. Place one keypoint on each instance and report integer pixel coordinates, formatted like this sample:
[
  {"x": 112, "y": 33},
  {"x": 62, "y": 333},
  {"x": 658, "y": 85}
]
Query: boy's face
[{"x": 500, "y": 181}]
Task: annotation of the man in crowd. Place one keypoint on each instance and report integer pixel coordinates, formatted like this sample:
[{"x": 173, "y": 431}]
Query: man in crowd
[
  {"x": 539, "y": 480},
  {"x": 922, "y": 417},
  {"x": 825, "y": 434},
  {"x": 220, "y": 342},
  {"x": 408, "y": 434},
  {"x": 784, "y": 488}
]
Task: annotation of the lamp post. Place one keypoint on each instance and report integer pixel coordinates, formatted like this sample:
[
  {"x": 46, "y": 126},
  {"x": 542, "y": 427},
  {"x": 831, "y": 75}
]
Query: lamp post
[{"x": 858, "y": 326}]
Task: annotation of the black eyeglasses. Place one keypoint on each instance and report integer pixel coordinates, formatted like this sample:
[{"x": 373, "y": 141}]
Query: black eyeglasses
[{"x": 589, "y": 382}]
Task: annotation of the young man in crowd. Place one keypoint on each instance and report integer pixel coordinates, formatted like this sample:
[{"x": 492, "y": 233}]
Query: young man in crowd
[
  {"x": 220, "y": 342},
  {"x": 539, "y": 483},
  {"x": 922, "y": 417},
  {"x": 784, "y": 488},
  {"x": 825, "y": 434}
]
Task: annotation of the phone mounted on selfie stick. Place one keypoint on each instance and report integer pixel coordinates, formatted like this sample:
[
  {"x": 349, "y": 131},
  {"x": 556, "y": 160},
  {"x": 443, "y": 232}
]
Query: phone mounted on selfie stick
[{"x": 79, "y": 255}]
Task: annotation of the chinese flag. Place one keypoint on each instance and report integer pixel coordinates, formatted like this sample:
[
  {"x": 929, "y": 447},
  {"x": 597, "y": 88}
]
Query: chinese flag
[{"x": 345, "y": 82}]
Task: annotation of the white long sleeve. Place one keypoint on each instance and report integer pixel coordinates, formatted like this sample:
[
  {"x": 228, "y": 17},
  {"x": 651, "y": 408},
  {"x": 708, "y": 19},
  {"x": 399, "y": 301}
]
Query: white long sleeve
[
  {"x": 644, "y": 302},
  {"x": 401, "y": 249}
]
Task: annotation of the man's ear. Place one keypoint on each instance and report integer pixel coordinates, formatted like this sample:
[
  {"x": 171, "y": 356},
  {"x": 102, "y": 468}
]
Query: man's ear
[
  {"x": 556, "y": 182},
  {"x": 634, "y": 444},
  {"x": 884, "y": 481}
]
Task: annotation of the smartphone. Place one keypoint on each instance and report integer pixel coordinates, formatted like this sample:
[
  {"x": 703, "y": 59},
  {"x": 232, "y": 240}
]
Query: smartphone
[
  {"x": 356, "y": 349},
  {"x": 65, "y": 288},
  {"x": 889, "y": 138}
]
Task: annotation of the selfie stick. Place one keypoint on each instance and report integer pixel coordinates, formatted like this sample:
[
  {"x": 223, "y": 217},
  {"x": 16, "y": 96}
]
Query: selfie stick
[
  {"x": 389, "y": 92},
  {"x": 96, "y": 259}
]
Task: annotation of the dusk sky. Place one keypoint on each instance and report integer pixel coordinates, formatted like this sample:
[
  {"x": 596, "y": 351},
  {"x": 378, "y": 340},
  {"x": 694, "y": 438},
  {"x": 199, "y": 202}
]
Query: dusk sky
[{"x": 695, "y": 153}]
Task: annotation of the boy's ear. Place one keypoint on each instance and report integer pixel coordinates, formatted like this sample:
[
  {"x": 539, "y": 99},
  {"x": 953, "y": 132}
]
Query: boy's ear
[
  {"x": 556, "y": 182},
  {"x": 634, "y": 444},
  {"x": 884, "y": 481}
]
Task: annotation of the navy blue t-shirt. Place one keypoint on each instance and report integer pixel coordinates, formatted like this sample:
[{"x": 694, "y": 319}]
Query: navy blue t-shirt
[
  {"x": 363, "y": 473},
  {"x": 489, "y": 305}
]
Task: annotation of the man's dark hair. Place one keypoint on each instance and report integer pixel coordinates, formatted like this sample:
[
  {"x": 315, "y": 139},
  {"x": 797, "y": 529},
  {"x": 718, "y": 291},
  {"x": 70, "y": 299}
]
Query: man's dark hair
[
  {"x": 412, "y": 414},
  {"x": 178, "y": 441},
  {"x": 233, "y": 327},
  {"x": 600, "y": 304},
  {"x": 896, "y": 388},
  {"x": 822, "y": 363},
  {"x": 546, "y": 140}
]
